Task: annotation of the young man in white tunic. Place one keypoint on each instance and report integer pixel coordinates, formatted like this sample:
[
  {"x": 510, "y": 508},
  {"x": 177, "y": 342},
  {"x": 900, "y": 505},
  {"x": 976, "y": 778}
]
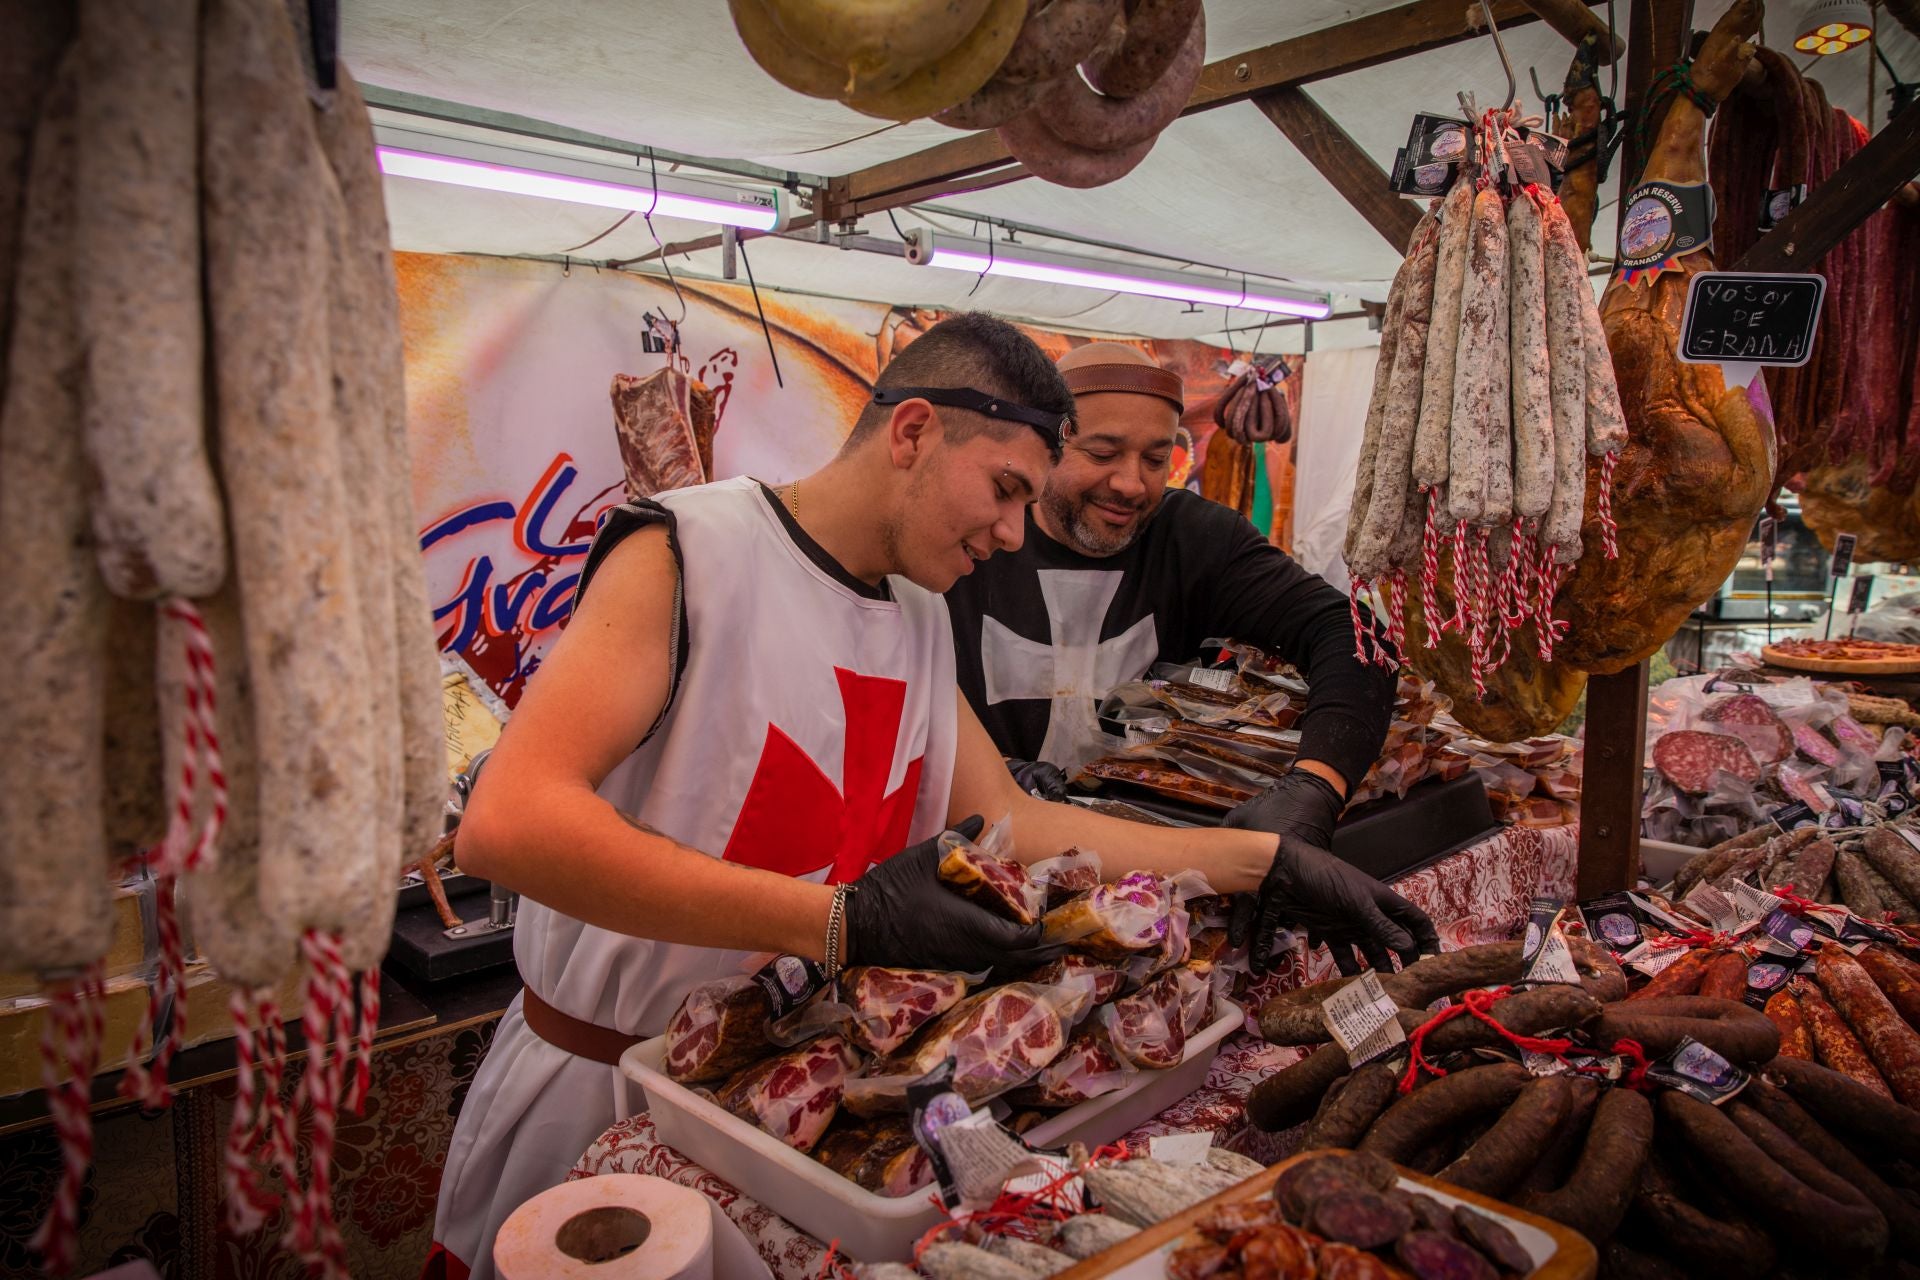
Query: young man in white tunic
[{"x": 750, "y": 736}]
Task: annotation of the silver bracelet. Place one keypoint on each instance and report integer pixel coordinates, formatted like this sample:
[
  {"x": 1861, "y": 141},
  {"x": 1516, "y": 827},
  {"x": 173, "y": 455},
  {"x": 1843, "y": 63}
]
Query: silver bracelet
[{"x": 836, "y": 949}]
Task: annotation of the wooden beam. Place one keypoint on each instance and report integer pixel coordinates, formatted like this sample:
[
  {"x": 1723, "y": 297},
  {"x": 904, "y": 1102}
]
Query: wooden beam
[
  {"x": 1331, "y": 51},
  {"x": 1574, "y": 20},
  {"x": 1656, "y": 38},
  {"x": 1319, "y": 138},
  {"x": 1611, "y": 782},
  {"x": 1876, "y": 173}
]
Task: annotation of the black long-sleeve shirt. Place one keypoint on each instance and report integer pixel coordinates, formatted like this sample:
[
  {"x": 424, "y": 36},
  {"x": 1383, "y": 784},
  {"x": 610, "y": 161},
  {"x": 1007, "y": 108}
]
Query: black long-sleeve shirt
[{"x": 1041, "y": 634}]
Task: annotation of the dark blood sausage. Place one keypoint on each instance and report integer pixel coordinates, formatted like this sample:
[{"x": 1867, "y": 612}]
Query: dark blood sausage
[
  {"x": 1301, "y": 1185},
  {"x": 1834, "y": 1042},
  {"x": 1429, "y": 1214},
  {"x": 1140, "y": 46},
  {"x": 1901, "y": 1213},
  {"x": 1555, "y": 1160},
  {"x": 1432, "y": 1256},
  {"x": 1447, "y": 1102},
  {"x": 1527, "y": 1013},
  {"x": 1890, "y": 1042},
  {"x": 1351, "y": 1107},
  {"x": 1750, "y": 719},
  {"x": 1054, "y": 37},
  {"x": 1689, "y": 759},
  {"x": 1363, "y": 1219},
  {"x": 1741, "y": 1035},
  {"x": 1897, "y": 977},
  {"x": 1607, "y": 1174},
  {"x": 1502, "y": 1156},
  {"x": 1716, "y": 1244},
  {"x": 1783, "y": 1011},
  {"x": 1681, "y": 978},
  {"x": 1725, "y": 978},
  {"x": 1289, "y": 1095},
  {"x": 1078, "y": 115},
  {"x": 1491, "y": 1238},
  {"x": 1830, "y": 1216},
  {"x": 1854, "y": 1112},
  {"x": 1339, "y": 1262}
]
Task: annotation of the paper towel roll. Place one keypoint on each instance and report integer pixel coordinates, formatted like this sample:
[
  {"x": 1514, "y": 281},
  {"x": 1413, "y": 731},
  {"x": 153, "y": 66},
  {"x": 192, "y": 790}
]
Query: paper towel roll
[{"x": 618, "y": 1226}]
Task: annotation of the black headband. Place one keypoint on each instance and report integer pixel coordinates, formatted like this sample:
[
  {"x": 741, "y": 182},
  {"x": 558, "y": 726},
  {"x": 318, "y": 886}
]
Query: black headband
[{"x": 1051, "y": 426}]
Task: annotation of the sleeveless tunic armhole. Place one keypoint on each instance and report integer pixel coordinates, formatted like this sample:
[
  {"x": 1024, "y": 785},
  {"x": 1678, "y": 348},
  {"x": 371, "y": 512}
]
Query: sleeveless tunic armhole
[{"x": 621, "y": 523}]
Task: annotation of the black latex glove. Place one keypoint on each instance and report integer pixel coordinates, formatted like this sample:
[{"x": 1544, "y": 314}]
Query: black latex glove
[
  {"x": 1335, "y": 903},
  {"x": 1302, "y": 804},
  {"x": 899, "y": 914},
  {"x": 1038, "y": 778}
]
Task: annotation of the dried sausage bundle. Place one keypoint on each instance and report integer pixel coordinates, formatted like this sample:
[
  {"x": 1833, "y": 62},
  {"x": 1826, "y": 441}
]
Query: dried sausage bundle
[
  {"x": 1489, "y": 399},
  {"x": 242, "y": 685}
]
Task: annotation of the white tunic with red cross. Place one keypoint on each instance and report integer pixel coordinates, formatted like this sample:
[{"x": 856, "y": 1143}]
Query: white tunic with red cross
[{"x": 812, "y": 732}]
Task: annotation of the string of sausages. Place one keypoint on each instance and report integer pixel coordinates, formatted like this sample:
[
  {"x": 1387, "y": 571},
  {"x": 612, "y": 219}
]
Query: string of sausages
[{"x": 1494, "y": 388}]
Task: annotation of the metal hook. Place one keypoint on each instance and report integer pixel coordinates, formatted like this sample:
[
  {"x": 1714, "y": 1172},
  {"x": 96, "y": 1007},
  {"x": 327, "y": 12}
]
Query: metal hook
[
  {"x": 1533, "y": 74},
  {"x": 1493, "y": 29}
]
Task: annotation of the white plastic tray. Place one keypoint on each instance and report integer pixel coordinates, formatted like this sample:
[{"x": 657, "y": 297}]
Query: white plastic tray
[{"x": 869, "y": 1227}]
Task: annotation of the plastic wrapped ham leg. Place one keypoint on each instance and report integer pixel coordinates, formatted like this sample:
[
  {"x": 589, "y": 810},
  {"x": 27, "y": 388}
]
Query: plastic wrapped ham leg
[
  {"x": 1088, "y": 1068},
  {"x": 880, "y": 1155},
  {"x": 793, "y": 1095},
  {"x": 720, "y": 1028},
  {"x": 889, "y": 1005},
  {"x": 1150, "y": 1027}
]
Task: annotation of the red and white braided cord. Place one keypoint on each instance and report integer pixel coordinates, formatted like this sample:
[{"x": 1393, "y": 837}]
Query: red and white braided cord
[
  {"x": 1608, "y": 531},
  {"x": 1430, "y": 568},
  {"x": 69, "y": 1055},
  {"x": 1543, "y": 577},
  {"x": 363, "y": 1041},
  {"x": 314, "y": 1234},
  {"x": 1396, "y": 593},
  {"x": 1462, "y": 618},
  {"x": 1361, "y": 633},
  {"x": 248, "y": 1202},
  {"x": 1481, "y": 614}
]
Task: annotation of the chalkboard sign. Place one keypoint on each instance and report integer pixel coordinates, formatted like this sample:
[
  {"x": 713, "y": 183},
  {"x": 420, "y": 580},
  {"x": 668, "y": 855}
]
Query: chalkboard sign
[
  {"x": 1843, "y": 545},
  {"x": 1862, "y": 592},
  {"x": 1736, "y": 318}
]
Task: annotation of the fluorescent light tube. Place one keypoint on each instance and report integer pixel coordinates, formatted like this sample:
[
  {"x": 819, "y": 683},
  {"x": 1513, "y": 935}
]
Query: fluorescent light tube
[
  {"x": 1023, "y": 262},
  {"x": 487, "y": 166}
]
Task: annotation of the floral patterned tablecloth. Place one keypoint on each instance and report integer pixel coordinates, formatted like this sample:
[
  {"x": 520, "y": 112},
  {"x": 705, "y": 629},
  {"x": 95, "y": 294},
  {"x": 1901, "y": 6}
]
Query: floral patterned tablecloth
[{"x": 1477, "y": 895}]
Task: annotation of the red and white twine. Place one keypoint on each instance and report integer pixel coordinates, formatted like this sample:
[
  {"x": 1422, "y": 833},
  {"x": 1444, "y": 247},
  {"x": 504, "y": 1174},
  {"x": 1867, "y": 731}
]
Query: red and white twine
[
  {"x": 1608, "y": 531},
  {"x": 69, "y": 1054},
  {"x": 1430, "y": 568}
]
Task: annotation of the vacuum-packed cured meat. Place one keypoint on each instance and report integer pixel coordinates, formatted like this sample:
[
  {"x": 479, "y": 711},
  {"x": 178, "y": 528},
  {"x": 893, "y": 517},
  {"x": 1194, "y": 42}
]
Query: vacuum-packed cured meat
[{"x": 793, "y": 1095}]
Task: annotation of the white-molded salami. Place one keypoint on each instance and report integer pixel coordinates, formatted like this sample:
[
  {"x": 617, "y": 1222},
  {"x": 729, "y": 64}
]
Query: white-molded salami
[
  {"x": 1430, "y": 447},
  {"x": 156, "y": 510},
  {"x": 56, "y": 910},
  {"x": 1479, "y": 451},
  {"x": 1606, "y": 420},
  {"x": 1531, "y": 365},
  {"x": 1567, "y": 292},
  {"x": 36, "y": 33},
  {"x": 268, "y": 201},
  {"x": 1393, "y": 462},
  {"x": 1376, "y": 408}
]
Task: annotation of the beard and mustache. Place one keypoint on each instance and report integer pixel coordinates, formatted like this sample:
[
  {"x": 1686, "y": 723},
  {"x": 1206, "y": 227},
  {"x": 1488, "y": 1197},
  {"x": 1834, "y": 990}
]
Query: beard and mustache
[{"x": 1086, "y": 532}]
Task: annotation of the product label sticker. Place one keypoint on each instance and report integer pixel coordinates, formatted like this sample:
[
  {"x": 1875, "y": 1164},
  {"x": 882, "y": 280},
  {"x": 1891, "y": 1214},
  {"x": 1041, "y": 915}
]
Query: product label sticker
[
  {"x": 1698, "y": 1071},
  {"x": 1766, "y": 976},
  {"x": 1893, "y": 795},
  {"x": 1650, "y": 960},
  {"x": 1545, "y": 956},
  {"x": 1716, "y": 907},
  {"x": 1750, "y": 903},
  {"x": 1848, "y": 811},
  {"x": 1778, "y": 203},
  {"x": 1543, "y": 1064},
  {"x": 1218, "y": 681},
  {"x": 1793, "y": 816},
  {"x": 1181, "y": 1148},
  {"x": 1664, "y": 221},
  {"x": 1784, "y": 934},
  {"x": 1364, "y": 1019},
  {"x": 1613, "y": 921},
  {"x": 789, "y": 982}
]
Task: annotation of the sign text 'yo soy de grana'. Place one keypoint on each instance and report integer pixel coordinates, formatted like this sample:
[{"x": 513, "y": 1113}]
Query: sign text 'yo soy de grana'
[{"x": 1740, "y": 321}]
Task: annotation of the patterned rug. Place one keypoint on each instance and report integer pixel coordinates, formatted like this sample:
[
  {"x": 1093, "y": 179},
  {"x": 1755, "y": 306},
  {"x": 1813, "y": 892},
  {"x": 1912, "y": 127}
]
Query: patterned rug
[{"x": 155, "y": 1188}]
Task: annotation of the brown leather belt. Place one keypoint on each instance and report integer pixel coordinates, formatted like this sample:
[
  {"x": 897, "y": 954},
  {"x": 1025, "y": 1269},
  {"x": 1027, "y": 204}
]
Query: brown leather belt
[{"x": 565, "y": 1032}]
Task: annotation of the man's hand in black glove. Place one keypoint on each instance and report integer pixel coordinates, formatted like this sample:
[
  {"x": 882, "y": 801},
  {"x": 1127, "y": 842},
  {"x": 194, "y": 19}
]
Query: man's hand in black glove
[
  {"x": 1337, "y": 904},
  {"x": 899, "y": 914},
  {"x": 1302, "y": 804},
  {"x": 1038, "y": 778}
]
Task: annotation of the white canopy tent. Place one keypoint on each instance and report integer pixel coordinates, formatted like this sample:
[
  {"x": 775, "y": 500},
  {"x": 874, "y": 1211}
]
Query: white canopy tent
[{"x": 1223, "y": 187}]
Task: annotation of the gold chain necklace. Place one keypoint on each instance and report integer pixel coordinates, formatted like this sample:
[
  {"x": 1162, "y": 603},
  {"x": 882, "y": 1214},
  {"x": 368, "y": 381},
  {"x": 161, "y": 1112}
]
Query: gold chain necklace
[{"x": 793, "y": 500}]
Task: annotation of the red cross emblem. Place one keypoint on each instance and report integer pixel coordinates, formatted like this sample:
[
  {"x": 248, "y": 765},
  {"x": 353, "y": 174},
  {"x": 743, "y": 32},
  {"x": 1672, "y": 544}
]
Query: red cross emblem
[{"x": 796, "y": 821}]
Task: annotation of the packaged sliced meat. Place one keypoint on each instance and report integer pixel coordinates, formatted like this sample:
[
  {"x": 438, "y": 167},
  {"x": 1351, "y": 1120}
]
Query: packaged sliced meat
[
  {"x": 1001, "y": 885},
  {"x": 1107, "y": 977},
  {"x": 888, "y": 1005},
  {"x": 998, "y": 1039},
  {"x": 878, "y": 1154},
  {"x": 1073, "y": 872},
  {"x": 1165, "y": 780},
  {"x": 1115, "y": 920},
  {"x": 1150, "y": 1027},
  {"x": 1750, "y": 719},
  {"x": 1689, "y": 759},
  {"x": 719, "y": 1028},
  {"x": 1814, "y": 745},
  {"x": 793, "y": 1095},
  {"x": 1087, "y": 1069}
]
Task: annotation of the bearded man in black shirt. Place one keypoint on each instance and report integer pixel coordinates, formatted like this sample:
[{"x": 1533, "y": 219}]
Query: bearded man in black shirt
[{"x": 1116, "y": 573}]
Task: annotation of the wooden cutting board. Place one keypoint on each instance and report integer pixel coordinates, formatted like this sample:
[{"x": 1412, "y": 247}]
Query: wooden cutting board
[
  {"x": 1895, "y": 666},
  {"x": 1573, "y": 1255}
]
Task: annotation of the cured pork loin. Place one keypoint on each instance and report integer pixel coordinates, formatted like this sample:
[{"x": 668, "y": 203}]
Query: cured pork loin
[
  {"x": 889, "y": 1005},
  {"x": 793, "y": 1095}
]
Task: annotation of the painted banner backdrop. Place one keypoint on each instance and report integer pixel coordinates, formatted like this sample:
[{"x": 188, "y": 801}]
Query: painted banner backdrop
[{"x": 509, "y": 366}]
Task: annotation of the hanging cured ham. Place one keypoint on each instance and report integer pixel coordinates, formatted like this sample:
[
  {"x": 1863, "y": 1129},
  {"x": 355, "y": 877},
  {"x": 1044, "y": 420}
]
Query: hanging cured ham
[{"x": 665, "y": 425}]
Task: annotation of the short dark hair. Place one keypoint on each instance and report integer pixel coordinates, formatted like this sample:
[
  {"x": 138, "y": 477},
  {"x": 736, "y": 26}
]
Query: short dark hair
[{"x": 972, "y": 349}]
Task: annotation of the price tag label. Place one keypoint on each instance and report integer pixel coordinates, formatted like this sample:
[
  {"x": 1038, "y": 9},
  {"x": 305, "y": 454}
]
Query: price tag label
[
  {"x": 1545, "y": 956},
  {"x": 1862, "y": 588},
  {"x": 1652, "y": 961},
  {"x": 1218, "y": 681},
  {"x": 1364, "y": 1019},
  {"x": 1769, "y": 543},
  {"x": 1716, "y": 906},
  {"x": 1843, "y": 545},
  {"x": 1752, "y": 904}
]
